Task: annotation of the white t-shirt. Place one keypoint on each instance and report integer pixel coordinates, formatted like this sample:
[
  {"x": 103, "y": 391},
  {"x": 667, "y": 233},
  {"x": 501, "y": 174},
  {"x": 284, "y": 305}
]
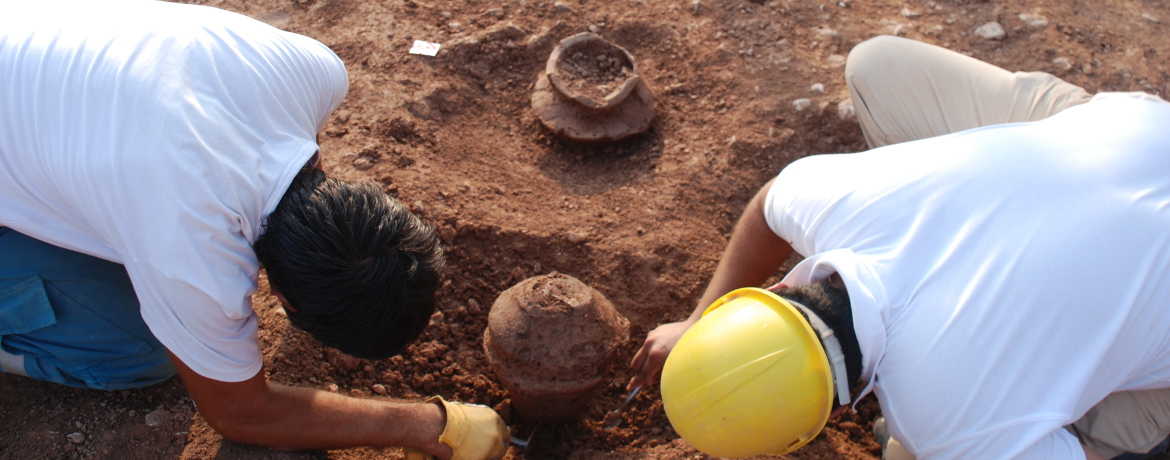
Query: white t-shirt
[
  {"x": 1004, "y": 279},
  {"x": 159, "y": 136}
]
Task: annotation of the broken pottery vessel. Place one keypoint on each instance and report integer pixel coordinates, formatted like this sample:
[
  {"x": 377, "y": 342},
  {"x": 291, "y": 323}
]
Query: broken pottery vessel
[{"x": 571, "y": 105}]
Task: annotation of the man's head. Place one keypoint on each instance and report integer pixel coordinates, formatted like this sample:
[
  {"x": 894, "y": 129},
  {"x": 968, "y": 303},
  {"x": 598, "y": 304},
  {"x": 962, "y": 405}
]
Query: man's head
[
  {"x": 356, "y": 267},
  {"x": 759, "y": 373}
]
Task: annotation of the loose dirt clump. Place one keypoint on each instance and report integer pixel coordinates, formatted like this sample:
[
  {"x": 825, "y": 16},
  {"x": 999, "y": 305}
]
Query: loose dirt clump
[{"x": 549, "y": 339}]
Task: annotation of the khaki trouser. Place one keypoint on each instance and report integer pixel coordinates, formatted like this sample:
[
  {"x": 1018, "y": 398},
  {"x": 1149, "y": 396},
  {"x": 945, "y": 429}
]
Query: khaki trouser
[{"x": 905, "y": 90}]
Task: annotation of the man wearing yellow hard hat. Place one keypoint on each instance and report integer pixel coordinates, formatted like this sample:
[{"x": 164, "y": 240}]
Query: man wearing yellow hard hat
[{"x": 996, "y": 270}]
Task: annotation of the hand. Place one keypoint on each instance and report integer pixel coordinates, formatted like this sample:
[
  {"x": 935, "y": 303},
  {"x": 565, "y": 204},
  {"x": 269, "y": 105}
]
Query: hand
[
  {"x": 647, "y": 363},
  {"x": 472, "y": 431}
]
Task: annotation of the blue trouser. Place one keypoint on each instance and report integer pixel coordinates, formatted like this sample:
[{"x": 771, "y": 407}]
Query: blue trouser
[{"x": 74, "y": 318}]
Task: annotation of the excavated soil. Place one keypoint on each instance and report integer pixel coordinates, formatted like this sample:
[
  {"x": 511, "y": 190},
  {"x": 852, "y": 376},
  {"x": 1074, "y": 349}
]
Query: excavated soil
[
  {"x": 643, "y": 220},
  {"x": 594, "y": 70}
]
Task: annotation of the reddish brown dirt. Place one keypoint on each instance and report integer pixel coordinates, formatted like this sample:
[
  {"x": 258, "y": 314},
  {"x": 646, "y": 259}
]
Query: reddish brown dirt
[
  {"x": 549, "y": 341},
  {"x": 643, "y": 221}
]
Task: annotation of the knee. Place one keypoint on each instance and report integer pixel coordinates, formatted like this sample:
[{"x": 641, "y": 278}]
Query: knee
[
  {"x": 121, "y": 373},
  {"x": 142, "y": 371},
  {"x": 871, "y": 56},
  {"x": 129, "y": 372}
]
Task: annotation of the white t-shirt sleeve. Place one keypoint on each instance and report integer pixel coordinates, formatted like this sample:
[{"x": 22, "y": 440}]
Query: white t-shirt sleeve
[
  {"x": 797, "y": 200},
  {"x": 194, "y": 327},
  {"x": 194, "y": 290}
]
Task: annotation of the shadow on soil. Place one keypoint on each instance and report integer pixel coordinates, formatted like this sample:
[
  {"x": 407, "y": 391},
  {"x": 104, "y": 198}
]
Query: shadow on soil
[{"x": 589, "y": 169}]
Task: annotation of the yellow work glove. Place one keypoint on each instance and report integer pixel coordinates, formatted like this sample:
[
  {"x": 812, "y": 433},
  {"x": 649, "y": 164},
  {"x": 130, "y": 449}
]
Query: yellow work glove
[{"x": 473, "y": 432}]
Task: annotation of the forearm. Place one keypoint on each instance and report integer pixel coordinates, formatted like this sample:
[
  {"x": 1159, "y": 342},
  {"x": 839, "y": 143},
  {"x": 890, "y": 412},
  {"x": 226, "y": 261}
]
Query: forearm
[
  {"x": 256, "y": 411},
  {"x": 753, "y": 254},
  {"x": 301, "y": 418}
]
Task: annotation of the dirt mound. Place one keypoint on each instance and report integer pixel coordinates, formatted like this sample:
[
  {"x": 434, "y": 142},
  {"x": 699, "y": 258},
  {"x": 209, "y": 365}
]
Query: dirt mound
[{"x": 549, "y": 340}]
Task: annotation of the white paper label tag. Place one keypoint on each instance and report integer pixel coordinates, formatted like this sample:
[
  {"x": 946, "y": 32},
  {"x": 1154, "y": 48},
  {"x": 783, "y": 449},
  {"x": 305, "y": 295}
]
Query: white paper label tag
[{"x": 425, "y": 48}]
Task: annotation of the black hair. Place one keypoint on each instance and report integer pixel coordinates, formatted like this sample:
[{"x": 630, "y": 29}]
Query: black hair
[
  {"x": 830, "y": 302},
  {"x": 357, "y": 267}
]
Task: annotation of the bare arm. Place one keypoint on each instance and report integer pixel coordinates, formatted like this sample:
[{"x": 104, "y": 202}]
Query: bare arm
[
  {"x": 256, "y": 411},
  {"x": 752, "y": 255}
]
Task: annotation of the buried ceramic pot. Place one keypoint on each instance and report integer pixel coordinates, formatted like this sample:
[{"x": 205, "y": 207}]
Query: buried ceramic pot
[
  {"x": 590, "y": 91},
  {"x": 550, "y": 340}
]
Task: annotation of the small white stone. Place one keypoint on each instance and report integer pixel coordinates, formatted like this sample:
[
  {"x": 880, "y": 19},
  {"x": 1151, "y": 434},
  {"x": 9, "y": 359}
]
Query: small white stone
[
  {"x": 845, "y": 110},
  {"x": 825, "y": 32},
  {"x": 990, "y": 31},
  {"x": 836, "y": 60},
  {"x": 909, "y": 13},
  {"x": 76, "y": 438},
  {"x": 363, "y": 163},
  {"x": 1062, "y": 63},
  {"x": 1034, "y": 20},
  {"x": 817, "y": 88},
  {"x": 593, "y": 28},
  {"x": 696, "y": 5},
  {"x": 577, "y": 237},
  {"x": 494, "y": 12},
  {"x": 156, "y": 417},
  {"x": 1151, "y": 18},
  {"x": 562, "y": 7},
  {"x": 801, "y": 104}
]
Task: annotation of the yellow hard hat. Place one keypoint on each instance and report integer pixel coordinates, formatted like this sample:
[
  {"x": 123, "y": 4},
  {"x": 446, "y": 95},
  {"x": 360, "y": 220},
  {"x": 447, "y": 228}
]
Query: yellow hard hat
[{"x": 748, "y": 378}]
